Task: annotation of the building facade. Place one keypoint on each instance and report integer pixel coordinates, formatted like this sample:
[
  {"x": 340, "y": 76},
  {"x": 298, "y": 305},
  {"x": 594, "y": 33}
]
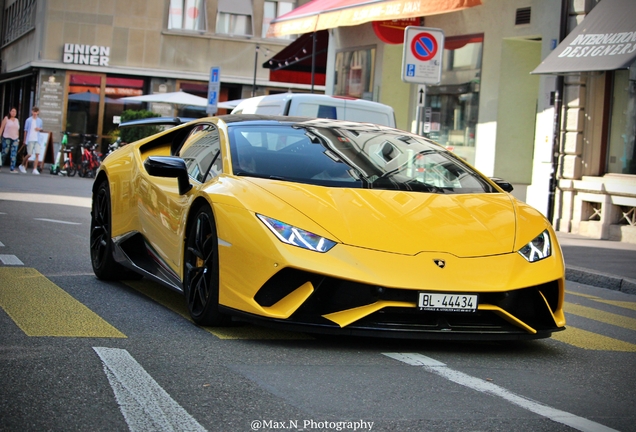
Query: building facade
[{"x": 76, "y": 60}]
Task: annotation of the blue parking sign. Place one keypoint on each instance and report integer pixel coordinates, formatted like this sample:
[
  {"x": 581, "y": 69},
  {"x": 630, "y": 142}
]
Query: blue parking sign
[
  {"x": 410, "y": 70},
  {"x": 214, "y": 87}
]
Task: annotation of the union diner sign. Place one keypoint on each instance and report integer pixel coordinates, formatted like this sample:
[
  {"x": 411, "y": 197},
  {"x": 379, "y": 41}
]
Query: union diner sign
[{"x": 92, "y": 55}]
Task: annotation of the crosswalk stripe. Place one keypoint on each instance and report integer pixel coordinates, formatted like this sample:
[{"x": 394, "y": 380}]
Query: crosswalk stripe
[
  {"x": 433, "y": 366},
  {"x": 623, "y": 304},
  {"x": 144, "y": 404},
  {"x": 601, "y": 316},
  {"x": 41, "y": 308},
  {"x": 10, "y": 260},
  {"x": 592, "y": 341},
  {"x": 175, "y": 302}
]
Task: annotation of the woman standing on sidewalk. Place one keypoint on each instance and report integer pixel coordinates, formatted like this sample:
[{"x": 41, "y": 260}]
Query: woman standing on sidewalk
[{"x": 9, "y": 131}]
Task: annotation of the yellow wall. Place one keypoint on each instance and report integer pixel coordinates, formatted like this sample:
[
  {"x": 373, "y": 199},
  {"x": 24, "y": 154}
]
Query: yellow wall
[{"x": 517, "y": 110}]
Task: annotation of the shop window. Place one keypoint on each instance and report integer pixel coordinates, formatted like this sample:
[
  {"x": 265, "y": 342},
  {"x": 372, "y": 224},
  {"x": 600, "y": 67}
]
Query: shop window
[
  {"x": 187, "y": 15},
  {"x": 274, "y": 9},
  {"x": 452, "y": 108},
  {"x": 84, "y": 109},
  {"x": 234, "y": 17},
  {"x": 622, "y": 149},
  {"x": 83, "y": 104},
  {"x": 354, "y": 73},
  {"x": 116, "y": 89}
]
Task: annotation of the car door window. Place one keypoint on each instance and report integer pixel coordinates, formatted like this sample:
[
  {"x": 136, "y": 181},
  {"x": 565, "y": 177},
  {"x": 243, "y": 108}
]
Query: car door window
[{"x": 201, "y": 153}]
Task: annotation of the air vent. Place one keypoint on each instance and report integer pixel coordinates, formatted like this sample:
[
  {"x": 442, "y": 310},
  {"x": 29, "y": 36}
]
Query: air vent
[{"x": 522, "y": 16}]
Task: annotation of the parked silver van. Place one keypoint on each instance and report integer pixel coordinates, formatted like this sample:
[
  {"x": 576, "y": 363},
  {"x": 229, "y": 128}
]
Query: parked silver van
[{"x": 318, "y": 105}]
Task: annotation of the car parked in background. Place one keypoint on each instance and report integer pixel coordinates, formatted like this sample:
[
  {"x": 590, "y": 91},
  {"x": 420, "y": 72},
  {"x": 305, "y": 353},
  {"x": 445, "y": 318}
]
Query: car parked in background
[{"x": 319, "y": 106}]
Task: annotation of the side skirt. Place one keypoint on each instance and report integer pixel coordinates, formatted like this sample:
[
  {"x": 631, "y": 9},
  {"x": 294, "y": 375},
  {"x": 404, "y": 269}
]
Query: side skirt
[{"x": 133, "y": 252}]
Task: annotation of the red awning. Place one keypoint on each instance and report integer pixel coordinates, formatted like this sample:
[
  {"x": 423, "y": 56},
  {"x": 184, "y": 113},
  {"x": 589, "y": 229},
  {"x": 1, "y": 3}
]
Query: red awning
[
  {"x": 325, "y": 14},
  {"x": 294, "y": 62}
]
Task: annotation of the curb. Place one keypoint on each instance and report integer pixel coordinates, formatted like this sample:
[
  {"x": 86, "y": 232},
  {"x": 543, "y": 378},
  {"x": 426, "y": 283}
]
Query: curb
[{"x": 601, "y": 280}]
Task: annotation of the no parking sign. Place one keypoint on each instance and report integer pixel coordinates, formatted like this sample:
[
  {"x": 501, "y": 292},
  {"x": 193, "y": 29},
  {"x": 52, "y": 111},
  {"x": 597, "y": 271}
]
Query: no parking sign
[{"x": 423, "y": 53}]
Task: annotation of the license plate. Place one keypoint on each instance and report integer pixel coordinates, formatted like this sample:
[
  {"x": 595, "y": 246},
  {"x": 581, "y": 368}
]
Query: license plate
[{"x": 440, "y": 302}]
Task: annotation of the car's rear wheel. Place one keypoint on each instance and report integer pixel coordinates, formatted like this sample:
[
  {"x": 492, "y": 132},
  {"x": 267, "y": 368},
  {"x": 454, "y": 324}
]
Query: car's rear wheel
[
  {"x": 104, "y": 265},
  {"x": 201, "y": 272}
]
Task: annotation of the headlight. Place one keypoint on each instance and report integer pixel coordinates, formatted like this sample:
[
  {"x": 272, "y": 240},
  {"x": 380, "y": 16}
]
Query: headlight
[
  {"x": 537, "y": 249},
  {"x": 295, "y": 236}
]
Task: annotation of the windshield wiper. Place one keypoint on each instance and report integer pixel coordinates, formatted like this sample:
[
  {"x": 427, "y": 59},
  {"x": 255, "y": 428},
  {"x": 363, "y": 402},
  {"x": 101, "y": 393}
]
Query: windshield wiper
[{"x": 264, "y": 176}]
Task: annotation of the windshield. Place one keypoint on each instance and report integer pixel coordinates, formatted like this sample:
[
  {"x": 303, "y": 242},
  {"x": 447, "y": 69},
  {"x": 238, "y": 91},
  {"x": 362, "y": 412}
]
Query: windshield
[{"x": 354, "y": 155}]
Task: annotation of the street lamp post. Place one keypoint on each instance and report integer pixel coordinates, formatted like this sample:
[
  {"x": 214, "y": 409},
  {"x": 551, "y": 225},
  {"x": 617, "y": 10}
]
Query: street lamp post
[{"x": 255, "y": 64}]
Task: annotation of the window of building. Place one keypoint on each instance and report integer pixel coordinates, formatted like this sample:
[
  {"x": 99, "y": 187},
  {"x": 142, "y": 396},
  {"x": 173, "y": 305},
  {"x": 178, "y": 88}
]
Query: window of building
[
  {"x": 18, "y": 19},
  {"x": 187, "y": 15},
  {"x": 354, "y": 73},
  {"x": 452, "y": 108},
  {"x": 234, "y": 17},
  {"x": 274, "y": 9},
  {"x": 622, "y": 149}
]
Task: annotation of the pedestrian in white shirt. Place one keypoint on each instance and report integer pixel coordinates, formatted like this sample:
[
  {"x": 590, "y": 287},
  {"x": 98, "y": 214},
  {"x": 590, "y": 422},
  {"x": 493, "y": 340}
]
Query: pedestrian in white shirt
[{"x": 32, "y": 128}]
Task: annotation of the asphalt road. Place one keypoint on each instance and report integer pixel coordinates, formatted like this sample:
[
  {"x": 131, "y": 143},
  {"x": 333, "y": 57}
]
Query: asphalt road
[{"x": 80, "y": 354}]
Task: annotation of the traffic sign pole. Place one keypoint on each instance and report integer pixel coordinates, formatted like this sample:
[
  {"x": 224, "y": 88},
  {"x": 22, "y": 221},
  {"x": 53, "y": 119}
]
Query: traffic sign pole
[{"x": 422, "y": 63}]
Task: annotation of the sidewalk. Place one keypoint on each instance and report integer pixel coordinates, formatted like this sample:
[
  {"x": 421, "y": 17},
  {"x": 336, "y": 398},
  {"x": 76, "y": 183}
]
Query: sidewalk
[{"x": 601, "y": 263}]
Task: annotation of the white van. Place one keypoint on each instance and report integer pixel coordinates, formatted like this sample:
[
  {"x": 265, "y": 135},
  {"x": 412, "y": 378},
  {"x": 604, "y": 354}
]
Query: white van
[{"x": 318, "y": 105}]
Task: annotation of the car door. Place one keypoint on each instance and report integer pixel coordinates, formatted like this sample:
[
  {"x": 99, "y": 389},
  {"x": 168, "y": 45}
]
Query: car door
[{"x": 201, "y": 153}]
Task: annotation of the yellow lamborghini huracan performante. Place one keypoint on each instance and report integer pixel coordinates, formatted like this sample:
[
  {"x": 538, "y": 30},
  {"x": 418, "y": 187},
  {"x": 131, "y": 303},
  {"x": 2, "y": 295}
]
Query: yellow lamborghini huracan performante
[{"x": 326, "y": 226}]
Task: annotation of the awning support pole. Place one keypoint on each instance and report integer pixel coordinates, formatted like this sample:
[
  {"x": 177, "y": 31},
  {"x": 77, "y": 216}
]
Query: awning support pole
[
  {"x": 255, "y": 63},
  {"x": 313, "y": 60}
]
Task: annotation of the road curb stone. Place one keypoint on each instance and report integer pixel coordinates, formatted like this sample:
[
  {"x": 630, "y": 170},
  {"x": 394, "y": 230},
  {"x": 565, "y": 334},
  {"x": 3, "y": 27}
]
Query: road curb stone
[{"x": 602, "y": 280}]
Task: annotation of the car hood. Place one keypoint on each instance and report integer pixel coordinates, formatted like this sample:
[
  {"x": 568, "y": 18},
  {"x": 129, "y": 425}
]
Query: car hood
[{"x": 466, "y": 225}]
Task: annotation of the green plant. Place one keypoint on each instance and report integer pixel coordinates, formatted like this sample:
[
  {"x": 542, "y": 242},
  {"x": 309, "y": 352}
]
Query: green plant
[{"x": 134, "y": 133}]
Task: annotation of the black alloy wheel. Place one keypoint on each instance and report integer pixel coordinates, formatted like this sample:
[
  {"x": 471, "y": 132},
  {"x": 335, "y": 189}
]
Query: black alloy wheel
[
  {"x": 104, "y": 265},
  {"x": 201, "y": 272}
]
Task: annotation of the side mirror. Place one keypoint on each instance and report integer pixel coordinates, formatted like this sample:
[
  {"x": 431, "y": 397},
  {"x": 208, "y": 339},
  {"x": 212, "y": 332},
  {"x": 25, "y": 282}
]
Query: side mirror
[
  {"x": 507, "y": 187},
  {"x": 171, "y": 167}
]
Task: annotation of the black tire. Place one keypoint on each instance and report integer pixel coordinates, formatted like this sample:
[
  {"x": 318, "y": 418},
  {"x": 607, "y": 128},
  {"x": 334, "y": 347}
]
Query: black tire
[
  {"x": 104, "y": 265},
  {"x": 201, "y": 270},
  {"x": 70, "y": 169},
  {"x": 82, "y": 169}
]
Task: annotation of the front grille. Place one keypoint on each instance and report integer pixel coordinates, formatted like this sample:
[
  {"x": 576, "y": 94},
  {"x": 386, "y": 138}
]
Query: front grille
[{"x": 333, "y": 295}]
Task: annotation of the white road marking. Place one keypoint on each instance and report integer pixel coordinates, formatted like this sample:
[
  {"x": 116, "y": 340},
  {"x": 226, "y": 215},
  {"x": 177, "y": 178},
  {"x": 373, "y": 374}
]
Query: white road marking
[
  {"x": 1, "y": 244},
  {"x": 46, "y": 199},
  {"x": 434, "y": 366},
  {"x": 144, "y": 403},
  {"x": 57, "y": 221},
  {"x": 10, "y": 260}
]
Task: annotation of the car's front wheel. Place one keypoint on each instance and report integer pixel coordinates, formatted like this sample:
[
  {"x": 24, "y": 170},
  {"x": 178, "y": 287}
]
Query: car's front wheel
[
  {"x": 104, "y": 265},
  {"x": 201, "y": 272}
]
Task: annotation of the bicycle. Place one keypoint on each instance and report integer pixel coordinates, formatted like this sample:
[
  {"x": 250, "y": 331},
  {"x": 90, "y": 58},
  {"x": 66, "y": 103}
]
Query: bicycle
[
  {"x": 90, "y": 158},
  {"x": 69, "y": 168},
  {"x": 66, "y": 166}
]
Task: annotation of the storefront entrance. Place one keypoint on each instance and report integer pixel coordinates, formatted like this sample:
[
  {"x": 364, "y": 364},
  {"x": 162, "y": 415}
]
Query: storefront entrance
[{"x": 94, "y": 103}]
